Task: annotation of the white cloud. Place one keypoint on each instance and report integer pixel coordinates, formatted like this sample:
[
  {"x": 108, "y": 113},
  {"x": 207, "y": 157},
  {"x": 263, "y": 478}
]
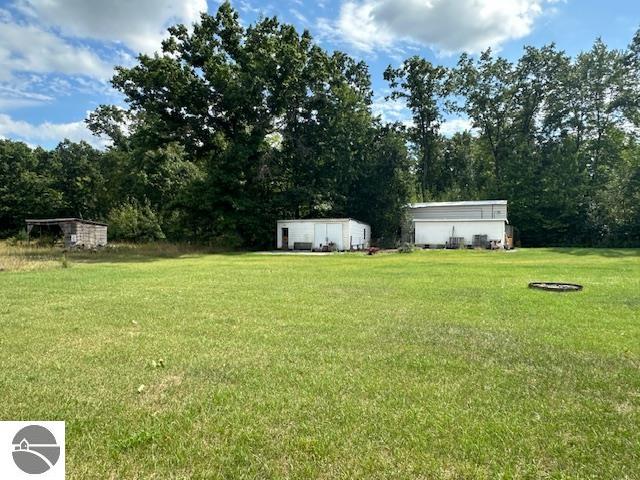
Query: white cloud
[
  {"x": 391, "y": 110},
  {"x": 28, "y": 48},
  {"x": 47, "y": 133},
  {"x": 12, "y": 97},
  {"x": 299, "y": 16},
  {"x": 359, "y": 26},
  {"x": 29, "y": 89},
  {"x": 456, "y": 125},
  {"x": 5, "y": 15},
  {"x": 445, "y": 25},
  {"x": 57, "y": 48},
  {"x": 139, "y": 24}
]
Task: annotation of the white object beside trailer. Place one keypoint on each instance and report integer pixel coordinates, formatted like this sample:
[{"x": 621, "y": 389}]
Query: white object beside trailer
[
  {"x": 319, "y": 233},
  {"x": 436, "y": 223}
]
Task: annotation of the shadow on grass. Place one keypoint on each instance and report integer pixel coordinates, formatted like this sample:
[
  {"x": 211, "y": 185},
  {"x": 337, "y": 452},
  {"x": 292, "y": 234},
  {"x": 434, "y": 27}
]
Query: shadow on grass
[
  {"x": 602, "y": 252},
  {"x": 147, "y": 253},
  {"x": 118, "y": 253}
]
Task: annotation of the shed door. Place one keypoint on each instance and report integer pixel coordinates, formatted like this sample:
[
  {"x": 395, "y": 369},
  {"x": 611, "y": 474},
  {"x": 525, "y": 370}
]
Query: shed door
[
  {"x": 319, "y": 235},
  {"x": 334, "y": 234},
  {"x": 325, "y": 233}
]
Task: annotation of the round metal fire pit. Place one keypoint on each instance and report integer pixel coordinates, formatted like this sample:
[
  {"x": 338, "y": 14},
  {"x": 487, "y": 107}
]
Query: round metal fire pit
[{"x": 556, "y": 287}]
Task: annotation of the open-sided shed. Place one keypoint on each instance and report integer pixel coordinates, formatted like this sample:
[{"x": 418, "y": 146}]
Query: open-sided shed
[{"x": 77, "y": 233}]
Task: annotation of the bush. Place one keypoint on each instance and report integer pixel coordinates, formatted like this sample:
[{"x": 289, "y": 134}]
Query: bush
[
  {"x": 134, "y": 222},
  {"x": 406, "y": 248},
  {"x": 226, "y": 241},
  {"x": 18, "y": 238}
]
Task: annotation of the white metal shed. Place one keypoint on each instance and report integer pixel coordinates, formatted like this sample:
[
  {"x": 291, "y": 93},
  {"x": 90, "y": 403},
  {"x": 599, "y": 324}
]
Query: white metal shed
[
  {"x": 437, "y": 223},
  {"x": 319, "y": 233}
]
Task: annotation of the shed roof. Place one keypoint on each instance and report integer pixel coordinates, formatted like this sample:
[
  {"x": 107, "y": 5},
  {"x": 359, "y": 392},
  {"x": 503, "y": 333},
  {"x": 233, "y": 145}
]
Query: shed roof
[
  {"x": 56, "y": 221},
  {"x": 321, "y": 220},
  {"x": 458, "y": 204}
]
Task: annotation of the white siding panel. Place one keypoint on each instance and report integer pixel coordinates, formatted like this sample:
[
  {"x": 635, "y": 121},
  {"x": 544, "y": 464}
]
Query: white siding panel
[
  {"x": 359, "y": 235},
  {"x": 438, "y": 233},
  {"x": 298, "y": 232},
  {"x": 334, "y": 234},
  {"x": 319, "y": 234},
  {"x": 346, "y": 234}
]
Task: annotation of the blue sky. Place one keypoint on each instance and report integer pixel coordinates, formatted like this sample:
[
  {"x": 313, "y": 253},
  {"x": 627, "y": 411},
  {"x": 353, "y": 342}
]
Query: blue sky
[{"x": 56, "y": 56}]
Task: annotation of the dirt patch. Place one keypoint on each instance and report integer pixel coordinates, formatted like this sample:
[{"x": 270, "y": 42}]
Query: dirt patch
[{"x": 157, "y": 395}]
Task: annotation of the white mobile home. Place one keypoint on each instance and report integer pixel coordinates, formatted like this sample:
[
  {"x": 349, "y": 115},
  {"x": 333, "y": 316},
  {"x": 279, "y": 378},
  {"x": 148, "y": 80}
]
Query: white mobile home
[
  {"x": 323, "y": 234},
  {"x": 475, "y": 223}
]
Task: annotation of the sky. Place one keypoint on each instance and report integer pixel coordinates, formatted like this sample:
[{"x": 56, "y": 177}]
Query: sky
[{"x": 57, "y": 56}]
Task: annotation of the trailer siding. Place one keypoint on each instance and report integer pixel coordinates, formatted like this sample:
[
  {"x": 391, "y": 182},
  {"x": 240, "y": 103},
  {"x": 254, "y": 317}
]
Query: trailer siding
[
  {"x": 438, "y": 223},
  {"x": 433, "y": 232},
  {"x": 472, "y": 212}
]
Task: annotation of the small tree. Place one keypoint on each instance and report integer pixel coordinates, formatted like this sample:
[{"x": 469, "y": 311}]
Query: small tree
[{"x": 135, "y": 222}]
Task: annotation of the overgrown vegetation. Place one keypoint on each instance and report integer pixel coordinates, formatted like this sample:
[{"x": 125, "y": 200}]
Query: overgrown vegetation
[
  {"x": 37, "y": 255},
  {"x": 434, "y": 364},
  {"x": 229, "y": 128},
  {"x": 18, "y": 256},
  {"x": 406, "y": 248},
  {"x": 133, "y": 222}
]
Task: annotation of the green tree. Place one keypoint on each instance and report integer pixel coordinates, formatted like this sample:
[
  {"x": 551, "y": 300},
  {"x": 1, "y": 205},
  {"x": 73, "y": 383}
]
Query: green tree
[
  {"x": 229, "y": 128},
  {"x": 27, "y": 187},
  {"x": 386, "y": 187},
  {"x": 423, "y": 87},
  {"x": 76, "y": 168}
]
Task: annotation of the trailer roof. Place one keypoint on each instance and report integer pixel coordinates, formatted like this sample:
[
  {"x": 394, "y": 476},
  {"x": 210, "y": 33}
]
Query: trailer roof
[
  {"x": 56, "y": 221},
  {"x": 458, "y": 204}
]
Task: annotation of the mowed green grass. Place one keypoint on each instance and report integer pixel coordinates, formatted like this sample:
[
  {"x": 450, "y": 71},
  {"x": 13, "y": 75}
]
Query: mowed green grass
[{"x": 436, "y": 364}]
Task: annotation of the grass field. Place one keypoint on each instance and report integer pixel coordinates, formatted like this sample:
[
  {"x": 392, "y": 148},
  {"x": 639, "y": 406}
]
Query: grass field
[{"x": 437, "y": 364}]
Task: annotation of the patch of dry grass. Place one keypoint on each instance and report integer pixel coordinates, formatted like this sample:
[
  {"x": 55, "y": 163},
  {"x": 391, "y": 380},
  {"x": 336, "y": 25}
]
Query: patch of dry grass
[
  {"x": 24, "y": 257},
  {"x": 34, "y": 256}
]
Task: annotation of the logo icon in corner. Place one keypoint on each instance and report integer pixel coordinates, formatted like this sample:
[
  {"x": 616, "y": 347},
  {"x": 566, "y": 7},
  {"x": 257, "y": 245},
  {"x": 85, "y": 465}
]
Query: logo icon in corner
[{"x": 35, "y": 449}]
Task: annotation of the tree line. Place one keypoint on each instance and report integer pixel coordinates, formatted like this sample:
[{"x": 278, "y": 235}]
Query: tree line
[{"x": 230, "y": 128}]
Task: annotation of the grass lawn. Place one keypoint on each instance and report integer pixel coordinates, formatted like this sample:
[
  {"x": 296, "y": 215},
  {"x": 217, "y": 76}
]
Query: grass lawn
[{"x": 436, "y": 364}]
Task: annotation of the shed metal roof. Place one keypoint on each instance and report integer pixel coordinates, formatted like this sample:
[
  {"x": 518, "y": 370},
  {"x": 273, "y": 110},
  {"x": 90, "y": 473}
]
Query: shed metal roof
[
  {"x": 320, "y": 220},
  {"x": 55, "y": 221},
  {"x": 458, "y": 204}
]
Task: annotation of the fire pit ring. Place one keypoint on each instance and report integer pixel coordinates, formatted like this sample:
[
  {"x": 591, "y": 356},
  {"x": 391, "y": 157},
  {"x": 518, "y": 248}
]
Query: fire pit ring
[{"x": 556, "y": 287}]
